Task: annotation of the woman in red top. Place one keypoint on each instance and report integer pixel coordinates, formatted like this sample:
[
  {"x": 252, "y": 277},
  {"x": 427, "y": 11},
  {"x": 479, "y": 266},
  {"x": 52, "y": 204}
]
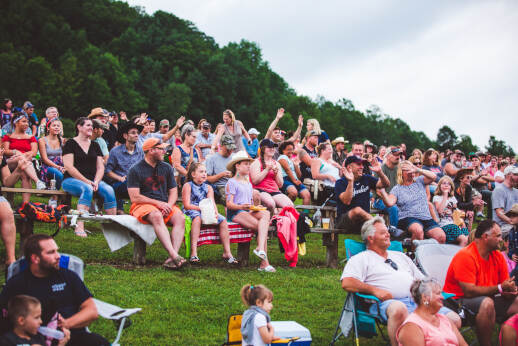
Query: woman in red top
[
  {"x": 266, "y": 177},
  {"x": 19, "y": 149}
]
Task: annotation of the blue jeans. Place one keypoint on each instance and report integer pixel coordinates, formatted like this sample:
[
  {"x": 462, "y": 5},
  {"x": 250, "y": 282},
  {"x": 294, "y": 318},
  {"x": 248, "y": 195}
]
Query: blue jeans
[
  {"x": 392, "y": 212},
  {"x": 85, "y": 192},
  {"x": 54, "y": 173},
  {"x": 121, "y": 192}
]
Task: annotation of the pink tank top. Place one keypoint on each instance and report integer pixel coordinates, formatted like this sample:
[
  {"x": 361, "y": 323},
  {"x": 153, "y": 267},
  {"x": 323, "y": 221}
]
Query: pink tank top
[
  {"x": 512, "y": 322},
  {"x": 433, "y": 336},
  {"x": 268, "y": 184}
]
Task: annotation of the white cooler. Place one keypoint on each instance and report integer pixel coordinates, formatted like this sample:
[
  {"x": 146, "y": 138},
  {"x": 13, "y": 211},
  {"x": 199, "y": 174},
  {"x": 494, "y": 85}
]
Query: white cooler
[{"x": 290, "y": 329}]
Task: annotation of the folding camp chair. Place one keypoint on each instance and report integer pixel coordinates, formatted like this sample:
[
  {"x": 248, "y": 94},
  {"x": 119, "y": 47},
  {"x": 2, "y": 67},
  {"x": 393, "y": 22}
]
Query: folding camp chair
[
  {"x": 105, "y": 310},
  {"x": 354, "y": 312}
]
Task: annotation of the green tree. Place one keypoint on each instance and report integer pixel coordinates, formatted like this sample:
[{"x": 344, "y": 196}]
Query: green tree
[
  {"x": 446, "y": 138},
  {"x": 466, "y": 145},
  {"x": 175, "y": 99}
]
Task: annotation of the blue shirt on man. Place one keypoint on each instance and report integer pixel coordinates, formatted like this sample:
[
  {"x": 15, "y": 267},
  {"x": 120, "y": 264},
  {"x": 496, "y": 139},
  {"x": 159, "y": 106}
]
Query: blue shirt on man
[{"x": 120, "y": 160}]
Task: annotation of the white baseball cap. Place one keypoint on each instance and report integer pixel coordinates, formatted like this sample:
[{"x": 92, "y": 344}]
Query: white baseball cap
[
  {"x": 253, "y": 131},
  {"x": 510, "y": 170}
]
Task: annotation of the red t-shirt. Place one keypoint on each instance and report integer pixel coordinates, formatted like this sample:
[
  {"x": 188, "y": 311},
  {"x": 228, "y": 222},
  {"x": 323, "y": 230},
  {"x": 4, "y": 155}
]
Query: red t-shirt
[
  {"x": 22, "y": 145},
  {"x": 468, "y": 266}
]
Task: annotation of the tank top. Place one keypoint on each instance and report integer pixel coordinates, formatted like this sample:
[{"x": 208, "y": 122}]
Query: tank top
[
  {"x": 305, "y": 170},
  {"x": 184, "y": 158},
  {"x": 236, "y": 134},
  {"x": 268, "y": 184},
  {"x": 433, "y": 336},
  {"x": 52, "y": 153},
  {"x": 327, "y": 168}
]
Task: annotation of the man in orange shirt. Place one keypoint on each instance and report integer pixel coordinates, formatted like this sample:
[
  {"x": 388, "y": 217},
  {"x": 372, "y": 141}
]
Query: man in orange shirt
[{"x": 479, "y": 278}]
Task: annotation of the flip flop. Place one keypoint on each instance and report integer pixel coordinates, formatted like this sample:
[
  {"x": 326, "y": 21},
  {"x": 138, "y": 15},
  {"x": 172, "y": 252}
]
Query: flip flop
[
  {"x": 261, "y": 254},
  {"x": 194, "y": 259},
  {"x": 80, "y": 233},
  {"x": 179, "y": 261},
  {"x": 231, "y": 260},
  {"x": 268, "y": 269},
  {"x": 169, "y": 266}
]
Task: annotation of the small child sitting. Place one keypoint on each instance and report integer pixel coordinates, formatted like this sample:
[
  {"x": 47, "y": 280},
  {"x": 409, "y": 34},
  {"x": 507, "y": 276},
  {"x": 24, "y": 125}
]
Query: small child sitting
[
  {"x": 256, "y": 328},
  {"x": 24, "y": 312}
]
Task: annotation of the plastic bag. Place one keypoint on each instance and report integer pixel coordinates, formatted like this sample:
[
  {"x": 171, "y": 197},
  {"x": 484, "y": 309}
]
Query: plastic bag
[{"x": 208, "y": 213}]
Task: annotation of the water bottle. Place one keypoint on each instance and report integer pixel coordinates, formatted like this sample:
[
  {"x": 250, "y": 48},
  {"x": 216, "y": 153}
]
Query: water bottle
[
  {"x": 51, "y": 333},
  {"x": 317, "y": 218}
]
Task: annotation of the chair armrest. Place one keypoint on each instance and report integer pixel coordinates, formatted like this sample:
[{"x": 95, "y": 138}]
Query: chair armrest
[
  {"x": 368, "y": 296},
  {"x": 447, "y": 295}
]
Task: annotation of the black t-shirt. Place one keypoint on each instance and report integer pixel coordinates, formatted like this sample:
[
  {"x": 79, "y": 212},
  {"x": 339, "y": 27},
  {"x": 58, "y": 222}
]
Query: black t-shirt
[
  {"x": 62, "y": 291},
  {"x": 110, "y": 136},
  {"x": 361, "y": 193},
  {"x": 11, "y": 339},
  {"x": 305, "y": 170},
  {"x": 154, "y": 182},
  {"x": 86, "y": 163}
]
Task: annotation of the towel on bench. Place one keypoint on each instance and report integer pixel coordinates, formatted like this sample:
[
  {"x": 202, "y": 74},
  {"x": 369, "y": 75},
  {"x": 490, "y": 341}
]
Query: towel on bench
[{"x": 210, "y": 234}]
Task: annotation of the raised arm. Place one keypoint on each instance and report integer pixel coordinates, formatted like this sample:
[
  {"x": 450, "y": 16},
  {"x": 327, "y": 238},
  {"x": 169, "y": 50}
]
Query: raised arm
[
  {"x": 347, "y": 196},
  {"x": 273, "y": 125},
  {"x": 171, "y": 132},
  {"x": 296, "y": 134}
]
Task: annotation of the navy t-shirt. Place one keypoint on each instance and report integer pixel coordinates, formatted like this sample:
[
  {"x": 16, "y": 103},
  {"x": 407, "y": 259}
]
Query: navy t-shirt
[
  {"x": 154, "y": 182},
  {"x": 11, "y": 339},
  {"x": 62, "y": 291},
  {"x": 361, "y": 193}
]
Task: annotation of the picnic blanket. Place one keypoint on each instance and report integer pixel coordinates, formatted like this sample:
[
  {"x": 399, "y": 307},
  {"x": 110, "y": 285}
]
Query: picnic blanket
[{"x": 210, "y": 234}]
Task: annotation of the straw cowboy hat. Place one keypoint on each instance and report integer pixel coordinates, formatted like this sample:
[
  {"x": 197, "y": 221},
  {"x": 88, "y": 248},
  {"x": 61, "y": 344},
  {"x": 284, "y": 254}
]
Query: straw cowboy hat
[
  {"x": 238, "y": 157},
  {"x": 339, "y": 140},
  {"x": 513, "y": 211}
]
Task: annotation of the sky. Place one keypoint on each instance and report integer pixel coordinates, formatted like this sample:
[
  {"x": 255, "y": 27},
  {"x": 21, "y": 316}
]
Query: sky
[{"x": 430, "y": 63}]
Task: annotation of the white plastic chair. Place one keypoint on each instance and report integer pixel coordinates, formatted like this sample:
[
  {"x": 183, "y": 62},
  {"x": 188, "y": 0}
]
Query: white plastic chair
[{"x": 75, "y": 264}]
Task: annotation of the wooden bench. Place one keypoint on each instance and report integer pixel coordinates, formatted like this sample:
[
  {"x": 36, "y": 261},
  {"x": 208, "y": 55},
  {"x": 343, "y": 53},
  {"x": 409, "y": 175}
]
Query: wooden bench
[{"x": 329, "y": 234}]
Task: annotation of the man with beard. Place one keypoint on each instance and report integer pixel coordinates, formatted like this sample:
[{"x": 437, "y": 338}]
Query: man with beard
[
  {"x": 153, "y": 193},
  {"x": 59, "y": 290},
  {"x": 451, "y": 168}
]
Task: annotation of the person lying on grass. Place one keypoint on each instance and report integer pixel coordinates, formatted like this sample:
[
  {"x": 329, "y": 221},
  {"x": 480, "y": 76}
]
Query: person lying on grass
[
  {"x": 153, "y": 193},
  {"x": 241, "y": 210},
  {"x": 193, "y": 192}
]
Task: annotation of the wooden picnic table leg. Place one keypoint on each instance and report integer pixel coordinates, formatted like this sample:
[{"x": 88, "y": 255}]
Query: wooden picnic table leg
[
  {"x": 330, "y": 241},
  {"x": 25, "y": 228},
  {"x": 139, "y": 251},
  {"x": 243, "y": 253}
]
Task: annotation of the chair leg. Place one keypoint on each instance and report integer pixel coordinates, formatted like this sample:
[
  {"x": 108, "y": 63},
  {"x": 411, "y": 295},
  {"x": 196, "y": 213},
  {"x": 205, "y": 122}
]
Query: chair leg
[{"x": 119, "y": 332}]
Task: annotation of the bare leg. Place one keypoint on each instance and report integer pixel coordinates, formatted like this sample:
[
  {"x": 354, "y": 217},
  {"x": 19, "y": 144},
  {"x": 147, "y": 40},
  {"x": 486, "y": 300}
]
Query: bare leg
[
  {"x": 437, "y": 233},
  {"x": 8, "y": 232},
  {"x": 26, "y": 184},
  {"x": 156, "y": 219},
  {"x": 359, "y": 215},
  {"x": 416, "y": 229},
  {"x": 291, "y": 191},
  {"x": 111, "y": 211},
  {"x": 282, "y": 201},
  {"x": 257, "y": 221},
  {"x": 195, "y": 234},
  {"x": 178, "y": 231},
  {"x": 225, "y": 239},
  {"x": 268, "y": 201},
  {"x": 463, "y": 240},
  {"x": 80, "y": 228},
  {"x": 396, "y": 314},
  {"x": 485, "y": 322},
  {"x": 306, "y": 196}
]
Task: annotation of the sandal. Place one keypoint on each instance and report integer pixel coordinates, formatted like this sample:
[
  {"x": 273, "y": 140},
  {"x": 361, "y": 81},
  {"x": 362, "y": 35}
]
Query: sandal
[
  {"x": 179, "y": 261},
  {"x": 269, "y": 269},
  {"x": 169, "y": 265},
  {"x": 194, "y": 259},
  {"x": 80, "y": 233},
  {"x": 261, "y": 254},
  {"x": 231, "y": 260}
]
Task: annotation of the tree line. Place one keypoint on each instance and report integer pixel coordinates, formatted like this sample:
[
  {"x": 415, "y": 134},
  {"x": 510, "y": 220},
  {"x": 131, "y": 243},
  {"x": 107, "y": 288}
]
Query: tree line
[{"x": 80, "y": 54}]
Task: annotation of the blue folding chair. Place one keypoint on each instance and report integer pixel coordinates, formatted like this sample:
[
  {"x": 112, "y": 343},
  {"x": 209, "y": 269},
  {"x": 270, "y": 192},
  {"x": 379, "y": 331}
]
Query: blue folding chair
[{"x": 363, "y": 321}]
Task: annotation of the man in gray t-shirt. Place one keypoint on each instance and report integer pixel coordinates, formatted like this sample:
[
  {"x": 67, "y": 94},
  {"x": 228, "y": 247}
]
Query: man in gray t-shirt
[
  {"x": 390, "y": 168},
  {"x": 503, "y": 198},
  {"x": 217, "y": 173}
]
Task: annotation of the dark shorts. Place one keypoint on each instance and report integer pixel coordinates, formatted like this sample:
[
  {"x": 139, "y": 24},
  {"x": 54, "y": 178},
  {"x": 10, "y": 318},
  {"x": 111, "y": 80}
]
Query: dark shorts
[
  {"x": 343, "y": 221},
  {"x": 275, "y": 193},
  {"x": 406, "y": 222},
  {"x": 232, "y": 213},
  {"x": 219, "y": 194},
  {"x": 501, "y": 305},
  {"x": 288, "y": 183}
]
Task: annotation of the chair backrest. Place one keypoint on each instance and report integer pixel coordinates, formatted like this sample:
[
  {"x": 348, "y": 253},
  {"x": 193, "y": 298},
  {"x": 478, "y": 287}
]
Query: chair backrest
[
  {"x": 353, "y": 247},
  {"x": 234, "y": 336},
  {"x": 434, "y": 259},
  {"x": 66, "y": 261}
]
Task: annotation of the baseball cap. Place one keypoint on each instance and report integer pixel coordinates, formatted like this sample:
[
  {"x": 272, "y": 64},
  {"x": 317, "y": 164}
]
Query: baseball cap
[
  {"x": 253, "y": 131},
  {"x": 268, "y": 143},
  {"x": 459, "y": 152},
  {"x": 27, "y": 105},
  {"x": 205, "y": 125},
  {"x": 354, "y": 159},
  {"x": 510, "y": 170},
  {"x": 151, "y": 143},
  {"x": 313, "y": 133},
  {"x": 228, "y": 141},
  {"x": 395, "y": 151},
  {"x": 164, "y": 122}
]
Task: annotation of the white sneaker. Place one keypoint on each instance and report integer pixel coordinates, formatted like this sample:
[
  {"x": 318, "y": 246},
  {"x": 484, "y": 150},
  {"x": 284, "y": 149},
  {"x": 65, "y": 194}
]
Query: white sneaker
[
  {"x": 53, "y": 203},
  {"x": 40, "y": 185}
]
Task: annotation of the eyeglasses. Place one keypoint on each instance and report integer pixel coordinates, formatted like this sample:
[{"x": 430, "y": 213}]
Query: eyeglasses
[
  {"x": 392, "y": 263},
  {"x": 418, "y": 163}
]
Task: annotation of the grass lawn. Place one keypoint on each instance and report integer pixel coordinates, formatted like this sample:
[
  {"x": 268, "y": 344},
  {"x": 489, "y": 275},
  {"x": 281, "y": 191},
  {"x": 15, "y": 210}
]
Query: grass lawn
[{"x": 191, "y": 306}]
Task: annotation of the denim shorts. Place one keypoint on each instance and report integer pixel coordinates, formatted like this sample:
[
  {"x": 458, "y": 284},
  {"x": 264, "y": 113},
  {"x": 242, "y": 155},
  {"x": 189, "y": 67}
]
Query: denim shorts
[
  {"x": 231, "y": 213},
  {"x": 288, "y": 183},
  {"x": 407, "y": 301},
  {"x": 407, "y": 221}
]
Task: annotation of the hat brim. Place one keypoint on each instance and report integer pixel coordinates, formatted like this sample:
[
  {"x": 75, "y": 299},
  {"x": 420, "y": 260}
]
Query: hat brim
[
  {"x": 93, "y": 115},
  {"x": 339, "y": 141},
  {"x": 125, "y": 129},
  {"x": 232, "y": 164}
]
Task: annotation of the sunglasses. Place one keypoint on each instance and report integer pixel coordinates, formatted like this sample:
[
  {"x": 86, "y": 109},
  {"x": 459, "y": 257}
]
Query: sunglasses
[
  {"x": 418, "y": 163},
  {"x": 392, "y": 263}
]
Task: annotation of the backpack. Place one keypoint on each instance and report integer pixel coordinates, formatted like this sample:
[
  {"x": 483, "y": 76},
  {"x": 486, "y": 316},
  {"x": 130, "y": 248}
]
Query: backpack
[{"x": 45, "y": 213}]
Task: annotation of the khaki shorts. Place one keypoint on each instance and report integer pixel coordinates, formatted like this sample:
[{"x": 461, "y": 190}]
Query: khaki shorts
[{"x": 141, "y": 210}]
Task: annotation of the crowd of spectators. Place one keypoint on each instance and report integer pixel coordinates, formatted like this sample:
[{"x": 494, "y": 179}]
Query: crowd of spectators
[{"x": 121, "y": 160}]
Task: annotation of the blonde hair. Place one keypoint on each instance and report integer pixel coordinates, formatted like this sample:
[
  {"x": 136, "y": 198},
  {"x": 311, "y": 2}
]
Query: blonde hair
[
  {"x": 230, "y": 114},
  {"x": 250, "y": 294},
  {"x": 316, "y": 124},
  {"x": 418, "y": 151},
  {"x": 399, "y": 177},
  {"x": 438, "y": 190}
]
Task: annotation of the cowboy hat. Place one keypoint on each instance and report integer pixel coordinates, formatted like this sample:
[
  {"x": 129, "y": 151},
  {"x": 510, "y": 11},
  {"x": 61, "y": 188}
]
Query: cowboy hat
[
  {"x": 236, "y": 158},
  {"x": 339, "y": 140}
]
